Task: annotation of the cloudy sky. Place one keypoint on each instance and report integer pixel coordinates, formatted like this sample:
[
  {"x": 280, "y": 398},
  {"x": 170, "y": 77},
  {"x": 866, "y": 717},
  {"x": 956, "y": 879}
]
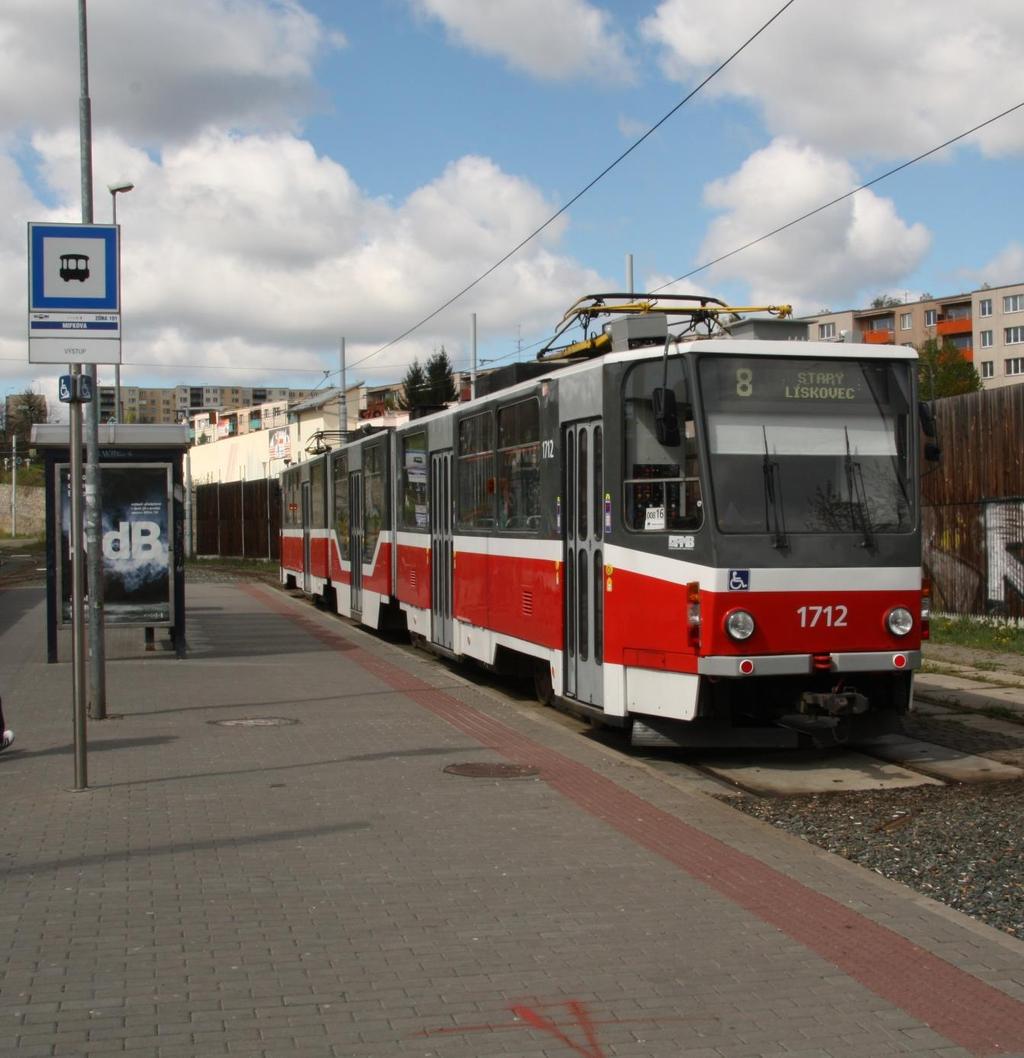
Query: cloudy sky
[{"x": 307, "y": 169}]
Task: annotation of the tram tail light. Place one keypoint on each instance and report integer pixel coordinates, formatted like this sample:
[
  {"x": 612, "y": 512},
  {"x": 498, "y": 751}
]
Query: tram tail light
[
  {"x": 693, "y": 614},
  {"x": 926, "y": 608}
]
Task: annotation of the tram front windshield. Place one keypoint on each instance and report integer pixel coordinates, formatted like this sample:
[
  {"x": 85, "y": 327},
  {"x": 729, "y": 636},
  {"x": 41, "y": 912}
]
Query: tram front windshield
[{"x": 809, "y": 445}]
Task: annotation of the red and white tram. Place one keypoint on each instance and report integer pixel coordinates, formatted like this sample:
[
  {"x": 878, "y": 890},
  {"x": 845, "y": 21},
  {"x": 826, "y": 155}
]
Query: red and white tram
[{"x": 706, "y": 535}]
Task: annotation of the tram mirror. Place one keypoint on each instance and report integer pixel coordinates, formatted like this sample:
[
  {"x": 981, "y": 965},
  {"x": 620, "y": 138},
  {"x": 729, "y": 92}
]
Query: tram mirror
[
  {"x": 927, "y": 419},
  {"x": 666, "y": 417}
]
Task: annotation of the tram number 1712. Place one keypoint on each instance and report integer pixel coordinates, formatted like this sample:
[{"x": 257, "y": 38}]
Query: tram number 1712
[{"x": 828, "y": 616}]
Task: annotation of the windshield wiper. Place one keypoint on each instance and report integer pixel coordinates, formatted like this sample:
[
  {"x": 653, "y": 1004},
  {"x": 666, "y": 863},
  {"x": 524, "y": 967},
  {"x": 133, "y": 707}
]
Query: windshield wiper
[
  {"x": 776, "y": 524},
  {"x": 858, "y": 494}
]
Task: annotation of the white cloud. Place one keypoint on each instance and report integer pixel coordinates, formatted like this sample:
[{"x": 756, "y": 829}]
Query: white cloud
[
  {"x": 255, "y": 252},
  {"x": 1004, "y": 267},
  {"x": 159, "y": 71},
  {"x": 888, "y": 78},
  {"x": 859, "y": 244},
  {"x": 550, "y": 39}
]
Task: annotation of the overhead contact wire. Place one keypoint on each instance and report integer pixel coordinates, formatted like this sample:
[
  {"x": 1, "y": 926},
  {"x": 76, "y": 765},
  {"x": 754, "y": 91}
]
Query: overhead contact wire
[{"x": 572, "y": 201}]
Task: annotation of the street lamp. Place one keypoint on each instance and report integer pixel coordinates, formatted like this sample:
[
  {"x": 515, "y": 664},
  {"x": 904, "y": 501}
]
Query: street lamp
[{"x": 121, "y": 188}]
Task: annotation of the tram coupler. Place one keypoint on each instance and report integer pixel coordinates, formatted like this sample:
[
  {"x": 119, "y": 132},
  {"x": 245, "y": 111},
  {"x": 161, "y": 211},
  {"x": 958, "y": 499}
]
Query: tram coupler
[{"x": 834, "y": 703}]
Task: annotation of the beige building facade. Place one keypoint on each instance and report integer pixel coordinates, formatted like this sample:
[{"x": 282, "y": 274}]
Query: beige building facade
[{"x": 986, "y": 325}]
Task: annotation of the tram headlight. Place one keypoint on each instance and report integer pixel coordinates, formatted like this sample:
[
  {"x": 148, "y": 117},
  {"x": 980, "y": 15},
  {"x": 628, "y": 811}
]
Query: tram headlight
[
  {"x": 899, "y": 621},
  {"x": 739, "y": 624}
]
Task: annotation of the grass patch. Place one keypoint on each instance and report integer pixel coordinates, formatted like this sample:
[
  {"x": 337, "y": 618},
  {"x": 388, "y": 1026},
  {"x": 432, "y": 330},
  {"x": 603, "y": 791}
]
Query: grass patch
[{"x": 978, "y": 633}]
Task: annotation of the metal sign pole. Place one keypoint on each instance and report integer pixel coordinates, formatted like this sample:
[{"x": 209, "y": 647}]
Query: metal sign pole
[
  {"x": 77, "y": 587},
  {"x": 94, "y": 553}
]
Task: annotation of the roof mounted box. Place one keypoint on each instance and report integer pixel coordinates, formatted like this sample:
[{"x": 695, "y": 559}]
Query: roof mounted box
[
  {"x": 766, "y": 328},
  {"x": 631, "y": 332}
]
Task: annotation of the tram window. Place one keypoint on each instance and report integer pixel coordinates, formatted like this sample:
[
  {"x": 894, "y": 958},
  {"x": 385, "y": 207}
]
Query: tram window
[
  {"x": 598, "y": 607},
  {"x": 598, "y": 480},
  {"x": 583, "y": 465},
  {"x": 374, "y": 498},
  {"x": 662, "y": 489},
  {"x": 519, "y": 466},
  {"x": 290, "y": 496},
  {"x": 415, "y": 513},
  {"x": 317, "y": 477},
  {"x": 813, "y": 446},
  {"x": 476, "y": 472},
  {"x": 341, "y": 507}
]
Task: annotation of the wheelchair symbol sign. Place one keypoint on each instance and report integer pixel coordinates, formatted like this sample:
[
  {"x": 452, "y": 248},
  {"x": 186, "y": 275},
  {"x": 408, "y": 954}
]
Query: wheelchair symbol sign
[{"x": 739, "y": 580}]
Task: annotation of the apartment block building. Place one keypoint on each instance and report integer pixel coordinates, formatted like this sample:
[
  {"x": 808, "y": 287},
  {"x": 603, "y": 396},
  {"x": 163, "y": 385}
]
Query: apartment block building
[
  {"x": 177, "y": 403},
  {"x": 986, "y": 325}
]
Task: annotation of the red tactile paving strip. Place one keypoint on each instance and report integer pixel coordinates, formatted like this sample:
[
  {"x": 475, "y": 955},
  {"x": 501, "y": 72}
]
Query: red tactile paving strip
[{"x": 954, "y": 1003}]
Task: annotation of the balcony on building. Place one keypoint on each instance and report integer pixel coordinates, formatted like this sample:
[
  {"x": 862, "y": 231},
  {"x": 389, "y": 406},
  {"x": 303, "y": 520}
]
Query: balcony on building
[
  {"x": 949, "y": 325},
  {"x": 878, "y": 337},
  {"x": 878, "y": 330}
]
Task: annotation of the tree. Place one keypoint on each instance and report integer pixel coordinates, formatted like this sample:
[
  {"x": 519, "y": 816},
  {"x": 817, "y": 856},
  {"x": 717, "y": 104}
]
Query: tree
[
  {"x": 22, "y": 412},
  {"x": 414, "y": 387},
  {"x": 432, "y": 387},
  {"x": 943, "y": 371},
  {"x": 885, "y": 301},
  {"x": 440, "y": 384}
]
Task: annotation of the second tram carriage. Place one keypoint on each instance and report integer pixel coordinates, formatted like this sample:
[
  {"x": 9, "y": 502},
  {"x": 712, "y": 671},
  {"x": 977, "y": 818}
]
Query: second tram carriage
[{"x": 711, "y": 538}]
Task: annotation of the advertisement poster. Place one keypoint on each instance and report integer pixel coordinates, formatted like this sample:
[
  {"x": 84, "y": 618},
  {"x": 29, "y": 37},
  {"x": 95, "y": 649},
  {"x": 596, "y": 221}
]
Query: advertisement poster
[
  {"x": 281, "y": 443},
  {"x": 135, "y": 527}
]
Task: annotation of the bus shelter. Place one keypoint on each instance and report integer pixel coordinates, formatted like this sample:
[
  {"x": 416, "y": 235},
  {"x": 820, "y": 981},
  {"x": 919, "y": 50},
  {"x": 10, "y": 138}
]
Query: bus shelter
[{"x": 142, "y": 528}]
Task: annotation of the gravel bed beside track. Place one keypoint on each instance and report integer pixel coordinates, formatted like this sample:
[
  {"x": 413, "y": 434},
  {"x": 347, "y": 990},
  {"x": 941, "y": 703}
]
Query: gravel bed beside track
[{"x": 957, "y": 844}]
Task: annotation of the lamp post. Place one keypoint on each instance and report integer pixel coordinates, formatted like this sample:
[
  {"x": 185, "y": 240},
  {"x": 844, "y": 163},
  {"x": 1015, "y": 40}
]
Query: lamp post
[{"x": 121, "y": 188}]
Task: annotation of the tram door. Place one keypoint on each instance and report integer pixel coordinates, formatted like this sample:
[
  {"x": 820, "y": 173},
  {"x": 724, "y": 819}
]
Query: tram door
[
  {"x": 441, "y": 548},
  {"x": 355, "y": 532},
  {"x": 584, "y": 562},
  {"x": 307, "y": 515}
]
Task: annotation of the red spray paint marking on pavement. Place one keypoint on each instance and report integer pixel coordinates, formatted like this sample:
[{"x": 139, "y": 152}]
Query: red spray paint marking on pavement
[
  {"x": 956, "y": 1004},
  {"x": 531, "y": 1017}
]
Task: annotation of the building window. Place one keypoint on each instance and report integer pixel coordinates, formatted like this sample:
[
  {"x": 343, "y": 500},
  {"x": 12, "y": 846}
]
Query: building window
[
  {"x": 906, "y": 321},
  {"x": 930, "y": 316},
  {"x": 826, "y": 330},
  {"x": 1013, "y": 303},
  {"x": 988, "y": 368},
  {"x": 985, "y": 307},
  {"x": 1013, "y": 335},
  {"x": 1015, "y": 365},
  {"x": 986, "y": 339}
]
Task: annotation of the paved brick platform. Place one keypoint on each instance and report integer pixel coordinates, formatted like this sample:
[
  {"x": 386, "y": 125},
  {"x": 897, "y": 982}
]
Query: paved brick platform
[{"x": 306, "y": 879}]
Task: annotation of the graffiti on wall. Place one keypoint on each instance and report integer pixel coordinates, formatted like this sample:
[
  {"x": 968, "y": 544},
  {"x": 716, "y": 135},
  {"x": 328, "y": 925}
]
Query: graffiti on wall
[{"x": 974, "y": 555}]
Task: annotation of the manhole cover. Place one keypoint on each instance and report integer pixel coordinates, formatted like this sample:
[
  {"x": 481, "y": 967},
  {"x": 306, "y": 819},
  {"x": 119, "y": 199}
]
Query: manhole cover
[
  {"x": 493, "y": 771},
  {"x": 255, "y": 721}
]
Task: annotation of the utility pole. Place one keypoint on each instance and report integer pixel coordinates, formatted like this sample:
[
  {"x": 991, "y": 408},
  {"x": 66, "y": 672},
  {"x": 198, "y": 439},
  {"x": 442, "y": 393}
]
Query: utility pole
[
  {"x": 343, "y": 400},
  {"x": 14, "y": 484},
  {"x": 93, "y": 550},
  {"x": 472, "y": 375}
]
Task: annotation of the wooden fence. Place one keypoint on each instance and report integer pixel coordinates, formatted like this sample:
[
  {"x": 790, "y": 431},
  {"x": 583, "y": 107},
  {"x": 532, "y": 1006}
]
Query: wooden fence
[
  {"x": 973, "y": 516},
  {"x": 237, "y": 519}
]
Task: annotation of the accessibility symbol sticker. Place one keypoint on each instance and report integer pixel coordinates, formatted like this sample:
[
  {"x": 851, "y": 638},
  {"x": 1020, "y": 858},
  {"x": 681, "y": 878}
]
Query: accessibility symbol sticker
[{"x": 739, "y": 580}]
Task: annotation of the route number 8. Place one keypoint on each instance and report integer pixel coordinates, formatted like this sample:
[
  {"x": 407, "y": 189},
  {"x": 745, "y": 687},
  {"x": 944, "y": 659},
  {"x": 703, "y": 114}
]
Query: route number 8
[{"x": 744, "y": 382}]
